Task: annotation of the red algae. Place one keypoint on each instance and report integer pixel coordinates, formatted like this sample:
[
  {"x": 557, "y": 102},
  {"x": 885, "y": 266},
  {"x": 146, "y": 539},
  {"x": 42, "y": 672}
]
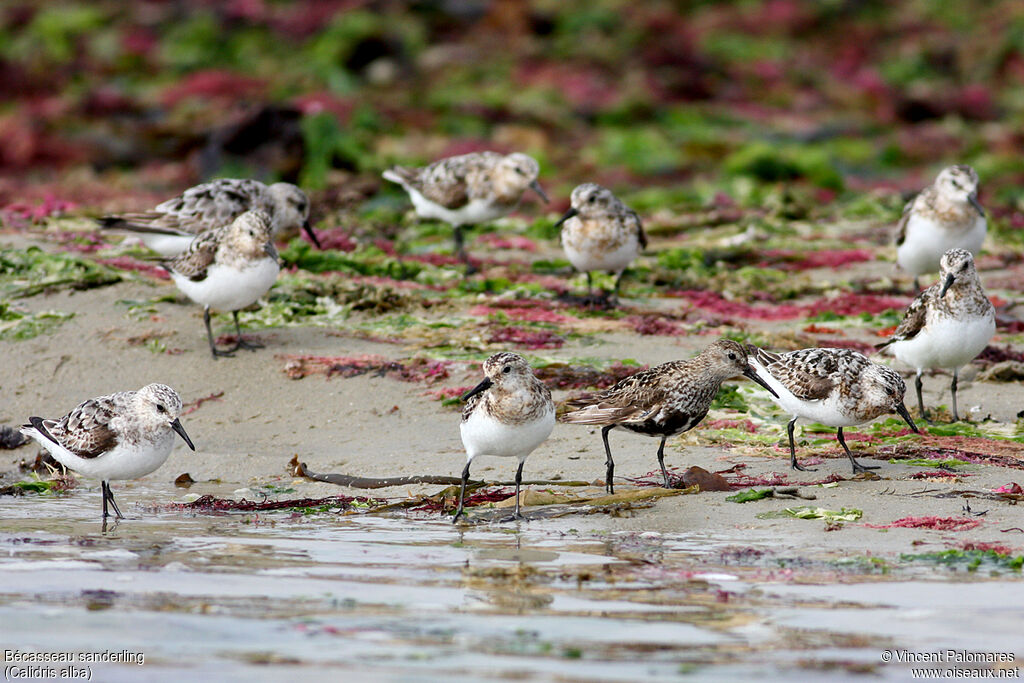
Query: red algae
[
  {"x": 930, "y": 522},
  {"x": 526, "y": 314},
  {"x": 128, "y": 263},
  {"x": 789, "y": 260},
  {"x": 214, "y": 504},
  {"x": 410, "y": 370},
  {"x": 496, "y": 241},
  {"x": 725, "y": 423},
  {"x": 650, "y": 325},
  {"x": 526, "y": 338},
  {"x": 844, "y": 304}
]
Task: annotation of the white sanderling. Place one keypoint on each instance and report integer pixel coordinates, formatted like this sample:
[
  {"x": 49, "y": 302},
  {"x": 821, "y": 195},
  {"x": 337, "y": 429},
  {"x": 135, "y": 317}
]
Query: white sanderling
[
  {"x": 508, "y": 414},
  {"x": 664, "y": 401},
  {"x": 947, "y": 325},
  {"x": 125, "y": 435},
  {"x": 600, "y": 233},
  {"x": 836, "y": 387},
  {"x": 171, "y": 226},
  {"x": 227, "y": 269},
  {"x": 468, "y": 189},
  {"x": 945, "y": 215}
]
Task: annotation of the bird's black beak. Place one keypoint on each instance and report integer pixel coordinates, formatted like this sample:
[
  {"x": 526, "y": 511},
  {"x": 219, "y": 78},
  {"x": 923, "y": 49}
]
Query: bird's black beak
[
  {"x": 947, "y": 284},
  {"x": 902, "y": 410},
  {"x": 752, "y": 375},
  {"x": 308, "y": 229},
  {"x": 535, "y": 186},
  {"x": 483, "y": 386},
  {"x": 176, "y": 426},
  {"x": 973, "y": 199},
  {"x": 568, "y": 214}
]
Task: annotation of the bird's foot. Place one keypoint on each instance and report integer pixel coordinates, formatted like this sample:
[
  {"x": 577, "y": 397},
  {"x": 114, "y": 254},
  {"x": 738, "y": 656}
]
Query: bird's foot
[
  {"x": 247, "y": 345},
  {"x": 859, "y": 468}
]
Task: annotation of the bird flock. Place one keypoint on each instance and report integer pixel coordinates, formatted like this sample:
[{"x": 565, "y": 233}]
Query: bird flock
[{"x": 217, "y": 242}]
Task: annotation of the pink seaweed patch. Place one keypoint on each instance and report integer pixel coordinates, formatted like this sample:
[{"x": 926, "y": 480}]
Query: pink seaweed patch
[
  {"x": 653, "y": 325},
  {"x": 930, "y": 522},
  {"x": 144, "y": 267},
  {"x": 845, "y": 304},
  {"x": 526, "y": 338},
  {"x": 526, "y": 314},
  {"x": 789, "y": 260},
  {"x": 496, "y": 241}
]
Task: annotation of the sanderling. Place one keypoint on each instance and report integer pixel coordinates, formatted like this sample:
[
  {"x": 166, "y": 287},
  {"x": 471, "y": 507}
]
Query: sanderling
[
  {"x": 125, "y": 435},
  {"x": 664, "y": 401},
  {"x": 945, "y": 215},
  {"x": 468, "y": 189},
  {"x": 600, "y": 233},
  {"x": 171, "y": 226},
  {"x": 228, "y": 269},
  {"x": 947, "y": 325},
  {"x": 508, "y": 414},
  {"x": 836, "y": 387}
]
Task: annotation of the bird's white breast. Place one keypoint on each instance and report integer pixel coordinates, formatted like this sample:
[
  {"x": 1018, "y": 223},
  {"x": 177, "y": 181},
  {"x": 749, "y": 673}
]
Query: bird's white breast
[
  {"x": 227, "y": 288},
  {"x": 946, "y": 342},
  {"x": 482, "y": 434},
  {"x": 926, "y": 241}
]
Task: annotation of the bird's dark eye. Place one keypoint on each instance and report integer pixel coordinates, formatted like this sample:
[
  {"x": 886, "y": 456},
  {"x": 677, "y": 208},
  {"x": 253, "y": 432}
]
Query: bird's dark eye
[
  {"x": 160, "y": 408},
  {"x": 732, "y": 356},
  {"x": 507, "y": 369},
  {"x": 591, "y": 198}
]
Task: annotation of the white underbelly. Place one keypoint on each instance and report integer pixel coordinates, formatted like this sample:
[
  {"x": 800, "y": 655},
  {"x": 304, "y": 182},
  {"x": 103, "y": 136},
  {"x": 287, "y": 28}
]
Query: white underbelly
[
  {"x": 476, "y": 211},
  {"x": 230, "y": 289},
  {"x": 165, "y": 245},
  {"x": 925, "y": 243},
  {"x": 122, "y": 462},
  {"x": 586, "y": 255},
  {"x": 946, "y": 343},
  {"x": 827, "y": 411},
  {"x": 483, "y": 435}
]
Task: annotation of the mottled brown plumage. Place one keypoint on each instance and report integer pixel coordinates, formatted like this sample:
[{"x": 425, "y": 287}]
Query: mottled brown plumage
[{"x": 664, "y": 401}]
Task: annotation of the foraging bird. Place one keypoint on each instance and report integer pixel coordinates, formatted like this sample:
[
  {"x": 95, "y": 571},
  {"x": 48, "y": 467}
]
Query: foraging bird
[
  {"x": 836, "y": 387},
  {"x": 945, "y": 215},
  {"x": 170, "y": 228},
  {"x": 468, "y": 189},
  {"x": 508, "y": 414},
  {"x": 599, "y": 232},
  {"x": 125, "y": 435},
  {"x": 228, "y": 269},
  {"x": 664, "y": 401},
  {"x": 947, "y": 325}
]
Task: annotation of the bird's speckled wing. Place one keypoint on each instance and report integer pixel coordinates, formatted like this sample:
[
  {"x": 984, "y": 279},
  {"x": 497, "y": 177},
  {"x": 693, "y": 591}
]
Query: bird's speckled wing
[
  {"x": 632, "y": 221},
  {"x": 630, "y": 400},
  {"x": 914, "y": 319},
  {"x": 212, "y": 204},
  {"x": 194, "y": 262},
  {"x": 86, "y": 431},
  {"x": 809, "y": 374},
  {"x": 901, "y": 227}
]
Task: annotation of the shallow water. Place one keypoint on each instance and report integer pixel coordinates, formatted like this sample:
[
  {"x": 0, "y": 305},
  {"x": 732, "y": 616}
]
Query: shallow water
[{"x": 254, "y": 596}]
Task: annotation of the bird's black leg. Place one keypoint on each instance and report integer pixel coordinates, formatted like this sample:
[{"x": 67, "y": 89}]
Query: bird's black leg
[
  {"x": 460, "y": 250},
  {"x": 792, "y": 449},
  {"x": 609, "y": 463},
  {"x": 590, "y": 284},
  {"x": 209, "y": 336},
  {"x": 240, "y": 343},
  {"x": 920, "y": 400},
  {"x": 109, "y": 495},
  {"x": 917, "y": 285},
  {"x": 103, "y": 493},
  {"x": 462, "y": 493},
  {"x": 857, "y": 467},
  {"x": 661, "y": 462},
  {"x": 519, "y": 481},
  {"x": 952, "y": 387}
]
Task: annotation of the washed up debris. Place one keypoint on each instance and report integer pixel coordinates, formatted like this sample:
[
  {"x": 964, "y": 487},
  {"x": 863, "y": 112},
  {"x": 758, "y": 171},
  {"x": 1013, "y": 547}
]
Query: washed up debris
[
  {"x": 58, "y": 484},
  {"x": 930, "y": 522},
  {"x": 1012, "y": 487},
  {"x": 840, "y": 515},
  {"x": 193, "y": 406},
  {"x": 210, "y": 503},
  {"x": 408, "y": 370},
  {"x": 777, "y": 492},
  {"x": 550, "y": 504},
  {"x": 299, "y": 469},
  {"x": 184, "y": 481},
  {"x": 973, "y": 555},
  {"x": 693, "y": 476}
]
